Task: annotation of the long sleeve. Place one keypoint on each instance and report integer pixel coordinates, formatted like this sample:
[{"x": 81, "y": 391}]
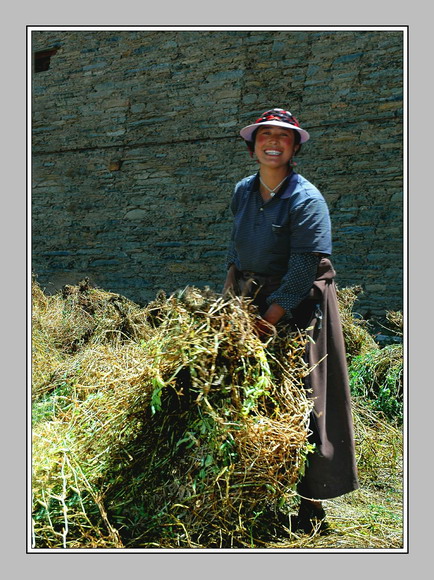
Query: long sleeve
[
  {"x": 297, "y": 282},
  {"x": 231, "y": 256}
]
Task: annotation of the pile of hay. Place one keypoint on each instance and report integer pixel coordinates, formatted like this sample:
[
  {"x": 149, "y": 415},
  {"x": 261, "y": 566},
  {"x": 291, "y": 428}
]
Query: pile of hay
[
  {"x": 358, "y": 339},
  {"x": 376, "y": 373},
  {"x": 167, "y": 426}
]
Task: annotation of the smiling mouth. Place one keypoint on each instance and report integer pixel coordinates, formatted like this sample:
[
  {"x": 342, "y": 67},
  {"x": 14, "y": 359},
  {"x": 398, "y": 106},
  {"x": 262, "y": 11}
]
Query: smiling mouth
[{"x": 273, "y": 152}]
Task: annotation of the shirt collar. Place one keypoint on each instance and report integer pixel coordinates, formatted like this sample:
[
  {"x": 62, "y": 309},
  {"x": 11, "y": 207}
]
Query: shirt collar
[{"x": 286, "y": 188}]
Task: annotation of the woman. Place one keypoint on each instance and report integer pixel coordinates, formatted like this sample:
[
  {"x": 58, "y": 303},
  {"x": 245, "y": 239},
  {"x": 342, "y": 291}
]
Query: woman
[{"x": 279, "y": 254}]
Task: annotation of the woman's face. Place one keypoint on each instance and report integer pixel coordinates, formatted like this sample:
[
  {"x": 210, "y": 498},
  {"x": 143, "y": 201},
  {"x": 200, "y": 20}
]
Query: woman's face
[{"x": 275, "y": 146}]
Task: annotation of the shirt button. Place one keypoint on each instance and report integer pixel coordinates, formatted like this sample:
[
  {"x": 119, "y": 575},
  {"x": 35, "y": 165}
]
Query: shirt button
[{"x": 262, "y": 209}]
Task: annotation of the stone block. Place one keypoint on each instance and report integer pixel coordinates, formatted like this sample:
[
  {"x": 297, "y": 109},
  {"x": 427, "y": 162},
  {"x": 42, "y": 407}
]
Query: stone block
[{"x": 136, "y": 151}]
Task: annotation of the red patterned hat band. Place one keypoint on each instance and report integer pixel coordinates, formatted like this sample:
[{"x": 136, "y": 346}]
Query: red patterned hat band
[{"x": 277, "y": 117}]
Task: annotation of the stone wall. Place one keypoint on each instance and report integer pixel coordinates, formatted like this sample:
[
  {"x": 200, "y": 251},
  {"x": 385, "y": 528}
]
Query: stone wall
[{"x": 136, "y": 151}]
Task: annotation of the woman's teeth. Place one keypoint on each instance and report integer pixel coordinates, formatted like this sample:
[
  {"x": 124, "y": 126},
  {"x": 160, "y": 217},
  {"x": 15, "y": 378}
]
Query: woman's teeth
[{"x": 272, "y": 152}]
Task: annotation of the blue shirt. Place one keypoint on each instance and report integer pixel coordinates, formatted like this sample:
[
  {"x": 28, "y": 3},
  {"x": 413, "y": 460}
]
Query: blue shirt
[
  {"x": 280, "y": 237},
  {"x": 264, "y": 235}
]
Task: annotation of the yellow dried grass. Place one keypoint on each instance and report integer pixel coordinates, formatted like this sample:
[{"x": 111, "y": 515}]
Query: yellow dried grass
[{"x": 171, "y": 425}]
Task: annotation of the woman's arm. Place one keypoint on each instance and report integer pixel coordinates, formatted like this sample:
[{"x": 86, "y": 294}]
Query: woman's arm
[
  {"x": 295, "y": 286},
  {"x": 230, "y": 281},
  {"x": 274, "y": 313}
]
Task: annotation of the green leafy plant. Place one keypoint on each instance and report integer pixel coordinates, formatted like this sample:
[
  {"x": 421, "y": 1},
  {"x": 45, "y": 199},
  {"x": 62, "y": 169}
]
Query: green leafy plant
[{"x": 378, "y": 377}]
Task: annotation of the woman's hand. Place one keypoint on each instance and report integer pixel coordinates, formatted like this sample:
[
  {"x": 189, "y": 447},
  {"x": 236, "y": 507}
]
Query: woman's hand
[
  {"x": 265, "y": 326},
  {"x": 263, "y": 329},
  {"x": 230, "y": 282},
  {"x": 274, "y": 313}
]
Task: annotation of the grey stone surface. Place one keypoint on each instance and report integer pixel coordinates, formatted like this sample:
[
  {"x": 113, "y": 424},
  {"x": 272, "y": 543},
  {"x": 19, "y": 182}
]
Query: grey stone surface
[{"x": 136, "y": 151}]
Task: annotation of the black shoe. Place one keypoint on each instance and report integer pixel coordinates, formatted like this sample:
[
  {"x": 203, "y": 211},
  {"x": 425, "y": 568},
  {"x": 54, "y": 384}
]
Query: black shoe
[{"x": 309, "y": 519}]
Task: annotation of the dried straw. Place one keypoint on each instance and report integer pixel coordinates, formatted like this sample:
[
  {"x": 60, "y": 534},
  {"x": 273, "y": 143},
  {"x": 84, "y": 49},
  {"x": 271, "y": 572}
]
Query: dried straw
[
  {"x": 171, "y": 425},
  {"x": 358, "y": 340}
]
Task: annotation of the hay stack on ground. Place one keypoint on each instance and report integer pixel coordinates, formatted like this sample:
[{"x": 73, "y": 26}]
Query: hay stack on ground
[
  {"x": 166, "y": 426},
  {"x": 358, "y": 340}
]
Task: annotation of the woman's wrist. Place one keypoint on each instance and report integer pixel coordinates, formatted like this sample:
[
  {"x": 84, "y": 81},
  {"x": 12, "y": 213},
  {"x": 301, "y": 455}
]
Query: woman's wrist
[
  {"x": 230, "y": 278},
  {"x": 274, "y": 313}
]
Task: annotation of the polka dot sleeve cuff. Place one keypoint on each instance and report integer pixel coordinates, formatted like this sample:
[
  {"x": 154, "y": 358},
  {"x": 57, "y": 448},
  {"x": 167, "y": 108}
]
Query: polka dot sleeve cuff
[{"x": 297, "y": 282}]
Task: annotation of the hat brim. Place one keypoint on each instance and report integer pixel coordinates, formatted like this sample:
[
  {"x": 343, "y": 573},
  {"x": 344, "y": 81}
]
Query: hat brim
[{"x": 247, "y": 132}]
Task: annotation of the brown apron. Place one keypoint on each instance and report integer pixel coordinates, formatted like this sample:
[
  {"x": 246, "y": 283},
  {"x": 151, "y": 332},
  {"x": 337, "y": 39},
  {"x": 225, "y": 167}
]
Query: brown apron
[{"x": 331, "y": 470}]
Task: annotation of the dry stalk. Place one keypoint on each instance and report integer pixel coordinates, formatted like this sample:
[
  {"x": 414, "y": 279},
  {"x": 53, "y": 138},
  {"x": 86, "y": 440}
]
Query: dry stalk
[{"x": 176, "y": 424}]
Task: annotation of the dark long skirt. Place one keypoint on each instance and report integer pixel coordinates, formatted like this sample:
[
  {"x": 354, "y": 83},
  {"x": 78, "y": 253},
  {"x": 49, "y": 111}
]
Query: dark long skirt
[{"x": 331, "y": 470}]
